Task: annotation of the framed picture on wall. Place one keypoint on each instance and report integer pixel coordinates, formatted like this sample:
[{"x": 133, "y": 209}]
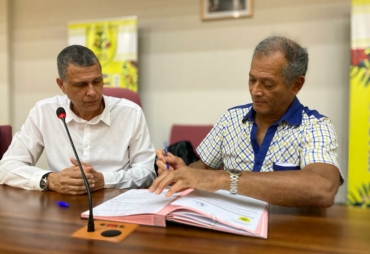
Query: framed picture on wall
[{"x": 225, "y": 9}]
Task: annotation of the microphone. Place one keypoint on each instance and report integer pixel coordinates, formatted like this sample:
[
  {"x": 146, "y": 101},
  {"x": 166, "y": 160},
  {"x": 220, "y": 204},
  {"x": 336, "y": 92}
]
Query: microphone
[
  {"x": 245, "y": 118},
  {"x": 61, "y": 114}
]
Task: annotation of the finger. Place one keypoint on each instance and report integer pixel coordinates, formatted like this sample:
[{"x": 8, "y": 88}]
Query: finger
[
  {"x": 73, "y": 182},
  {"x": 170, "y": 159},
  {"x": 84, "y": 168},
  {"x": 76, "y": 187},
  {"x": 75, "y": 162},
  {"x": 174, "y": 160},
  {"x": 160, "y": 154},
  {"x": 162, "y": 181},
  {"x": 161, "y": 170},
  {"x": 178, "y": 186},
  {"x": 163, "y": 165},
  {"x": 91, "y": 183},
  {"x": 70, "y": 182},
  {"x": 71, "y": 189},
  {"x": 76, "y": 191},
  {"x": 75, "y": 174},
  {"x": 90, "y": 170},
  {"x": 90, "y": 177},
  {"x": 153, "y": 187}
]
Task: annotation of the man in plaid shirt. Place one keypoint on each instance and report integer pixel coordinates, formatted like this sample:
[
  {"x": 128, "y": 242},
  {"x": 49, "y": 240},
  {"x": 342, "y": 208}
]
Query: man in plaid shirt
[{"x": 273, "y": 149}]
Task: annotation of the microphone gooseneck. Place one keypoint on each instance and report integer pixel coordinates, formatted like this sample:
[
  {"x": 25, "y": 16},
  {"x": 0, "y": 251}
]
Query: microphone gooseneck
[{"x": 61, "y": 114}]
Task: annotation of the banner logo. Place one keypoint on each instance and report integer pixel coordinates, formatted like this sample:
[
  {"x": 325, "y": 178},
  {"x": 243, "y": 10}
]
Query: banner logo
[{"x": 102, "y": 40}]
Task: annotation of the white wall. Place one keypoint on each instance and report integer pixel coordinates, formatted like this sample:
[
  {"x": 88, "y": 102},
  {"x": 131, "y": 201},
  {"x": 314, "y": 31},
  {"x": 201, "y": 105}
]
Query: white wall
[
  {"x": 5, "y": 117},
  {"x": 190, "y": 71}
]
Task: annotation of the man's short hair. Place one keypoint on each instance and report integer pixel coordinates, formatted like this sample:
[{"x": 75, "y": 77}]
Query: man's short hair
[
  {"x": 77, "y": 55},
  {"x": 296, "y": 56}
]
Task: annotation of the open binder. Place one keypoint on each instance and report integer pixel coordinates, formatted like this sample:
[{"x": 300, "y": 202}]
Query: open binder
[{"x": 218, "y": 210}]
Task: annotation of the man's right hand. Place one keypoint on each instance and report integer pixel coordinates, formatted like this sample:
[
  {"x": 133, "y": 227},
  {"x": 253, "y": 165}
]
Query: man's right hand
[
  {"x": 69, "y": 181},
  {"x": 173, "y": 161}
]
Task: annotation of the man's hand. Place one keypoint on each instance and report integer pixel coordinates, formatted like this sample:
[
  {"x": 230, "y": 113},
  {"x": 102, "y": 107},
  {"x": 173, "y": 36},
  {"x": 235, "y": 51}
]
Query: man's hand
[
  {"x": 186, "y": 177},
  {"x": 173, "y": 161},
  {"x": 69, "y": 181}
]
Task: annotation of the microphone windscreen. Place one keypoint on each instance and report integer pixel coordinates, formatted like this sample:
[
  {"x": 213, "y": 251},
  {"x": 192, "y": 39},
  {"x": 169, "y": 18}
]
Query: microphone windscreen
[
  {"x": 61, "y": 113},
  {"x": 245, "y": 119}
]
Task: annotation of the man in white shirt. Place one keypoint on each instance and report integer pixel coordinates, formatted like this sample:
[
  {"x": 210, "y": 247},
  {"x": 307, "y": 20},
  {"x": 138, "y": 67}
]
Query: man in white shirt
[{"x": 110, "y": 135}]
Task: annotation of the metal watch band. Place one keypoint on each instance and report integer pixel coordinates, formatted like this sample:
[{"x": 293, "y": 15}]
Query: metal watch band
[{"x": 234, "y": 183}]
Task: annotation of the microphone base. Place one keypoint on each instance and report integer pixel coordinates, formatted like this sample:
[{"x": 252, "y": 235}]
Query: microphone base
[{"x": 106, "y": 231}]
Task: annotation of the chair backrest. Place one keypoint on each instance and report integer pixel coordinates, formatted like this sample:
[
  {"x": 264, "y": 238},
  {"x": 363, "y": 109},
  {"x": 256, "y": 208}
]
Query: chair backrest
[
  {"x": 193, "y": 133},
  {"x": 5, "y": 138},
  {"x": 122, "y": 93}
]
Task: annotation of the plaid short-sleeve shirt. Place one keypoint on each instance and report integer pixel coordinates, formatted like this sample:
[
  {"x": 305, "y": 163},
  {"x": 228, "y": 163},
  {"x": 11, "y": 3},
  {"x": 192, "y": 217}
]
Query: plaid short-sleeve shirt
[{"x": 302, "y": 136}]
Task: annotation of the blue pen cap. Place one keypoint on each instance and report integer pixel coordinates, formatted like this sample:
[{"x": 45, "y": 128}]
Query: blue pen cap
[{"x": 62, "y": 204}]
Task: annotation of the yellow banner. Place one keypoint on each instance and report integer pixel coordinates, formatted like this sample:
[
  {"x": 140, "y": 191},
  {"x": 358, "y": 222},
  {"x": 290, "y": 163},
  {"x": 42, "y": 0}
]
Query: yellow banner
[
  {"x": 359, "y": 110},
  {"x": 114, "y": 42}
]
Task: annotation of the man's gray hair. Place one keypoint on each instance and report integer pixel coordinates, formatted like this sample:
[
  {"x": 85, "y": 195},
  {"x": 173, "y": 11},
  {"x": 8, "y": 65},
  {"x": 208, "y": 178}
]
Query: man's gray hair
[
  {"x": 76, "y": 55},
  {"x": 296, "y": 56}
]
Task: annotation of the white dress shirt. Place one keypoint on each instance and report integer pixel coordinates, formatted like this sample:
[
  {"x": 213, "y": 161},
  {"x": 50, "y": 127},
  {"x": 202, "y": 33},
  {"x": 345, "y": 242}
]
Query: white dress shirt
[{"x": 115, "y": 143}]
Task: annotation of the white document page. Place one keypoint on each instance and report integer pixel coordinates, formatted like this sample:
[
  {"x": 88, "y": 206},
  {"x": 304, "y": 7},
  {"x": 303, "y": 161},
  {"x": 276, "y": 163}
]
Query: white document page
[
  {"x": 238, "y": 210},
  {"x": 201, "y": 221},
  {"x": 133, "y": 202}
]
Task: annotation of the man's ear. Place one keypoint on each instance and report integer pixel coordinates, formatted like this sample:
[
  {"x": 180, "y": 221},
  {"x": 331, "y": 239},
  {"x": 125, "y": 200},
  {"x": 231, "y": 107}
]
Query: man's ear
[
  {"x": 61, "y": 85},
  {"x": 298, "y": 84}
]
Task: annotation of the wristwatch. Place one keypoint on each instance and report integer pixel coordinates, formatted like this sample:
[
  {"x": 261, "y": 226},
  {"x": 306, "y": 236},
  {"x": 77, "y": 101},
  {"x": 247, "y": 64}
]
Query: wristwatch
[
  {"x": 44, "y": 182},
  {"x": 234, "y": 178}
]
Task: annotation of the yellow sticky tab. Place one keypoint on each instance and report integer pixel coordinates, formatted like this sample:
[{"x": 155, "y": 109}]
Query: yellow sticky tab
[{"x": 244, "y": 219}]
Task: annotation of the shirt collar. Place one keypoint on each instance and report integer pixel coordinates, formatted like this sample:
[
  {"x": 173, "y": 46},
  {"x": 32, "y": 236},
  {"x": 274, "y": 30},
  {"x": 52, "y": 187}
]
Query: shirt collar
[
  {"x": 104, "y": 116},
  {"x": 292, "y": 116}
]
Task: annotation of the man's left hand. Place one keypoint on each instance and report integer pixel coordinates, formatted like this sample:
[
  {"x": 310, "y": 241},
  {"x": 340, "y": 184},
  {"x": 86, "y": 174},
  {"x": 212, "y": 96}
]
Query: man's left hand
[
  {"x": 186, "y": 177},
  {"x": 97, "y": 176}
]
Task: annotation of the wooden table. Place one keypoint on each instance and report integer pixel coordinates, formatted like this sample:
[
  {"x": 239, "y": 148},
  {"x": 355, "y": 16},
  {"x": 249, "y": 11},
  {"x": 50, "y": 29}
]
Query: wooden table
[{"x": 31, "y": 222}]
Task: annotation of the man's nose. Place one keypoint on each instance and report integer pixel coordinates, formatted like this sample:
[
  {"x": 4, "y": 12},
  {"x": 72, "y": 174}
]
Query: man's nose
[
  {"x": 91, "y": 90},
  {"x": 256, "y": 89}
]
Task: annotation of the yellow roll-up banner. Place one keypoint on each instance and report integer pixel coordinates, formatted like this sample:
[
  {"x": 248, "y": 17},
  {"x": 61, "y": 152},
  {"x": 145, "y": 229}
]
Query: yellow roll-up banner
[
  {"x": 359, "y": 109},
  {"x": 114, "y": 42}
]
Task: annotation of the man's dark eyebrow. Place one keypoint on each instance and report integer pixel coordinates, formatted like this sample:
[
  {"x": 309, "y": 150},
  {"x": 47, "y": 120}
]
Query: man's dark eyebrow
[
  {"x": 79, "y": 83},
  {"x": 98, "y": 78},
  {"x": 267, "y": 79},
  {"x": 263, "y": 79}
]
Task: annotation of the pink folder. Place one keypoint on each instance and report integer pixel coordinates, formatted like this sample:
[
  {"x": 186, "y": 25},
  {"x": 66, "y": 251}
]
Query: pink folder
[{"x": 171, "y": 213}]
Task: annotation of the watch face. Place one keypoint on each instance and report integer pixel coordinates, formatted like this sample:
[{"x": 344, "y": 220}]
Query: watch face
[
  {"x": 43, "y": 184},
  {"x": 234, "y": 171}
]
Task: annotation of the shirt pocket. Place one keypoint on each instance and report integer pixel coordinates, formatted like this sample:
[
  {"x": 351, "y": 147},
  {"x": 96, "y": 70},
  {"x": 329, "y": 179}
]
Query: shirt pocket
[{"x": 280, "y": 166}]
